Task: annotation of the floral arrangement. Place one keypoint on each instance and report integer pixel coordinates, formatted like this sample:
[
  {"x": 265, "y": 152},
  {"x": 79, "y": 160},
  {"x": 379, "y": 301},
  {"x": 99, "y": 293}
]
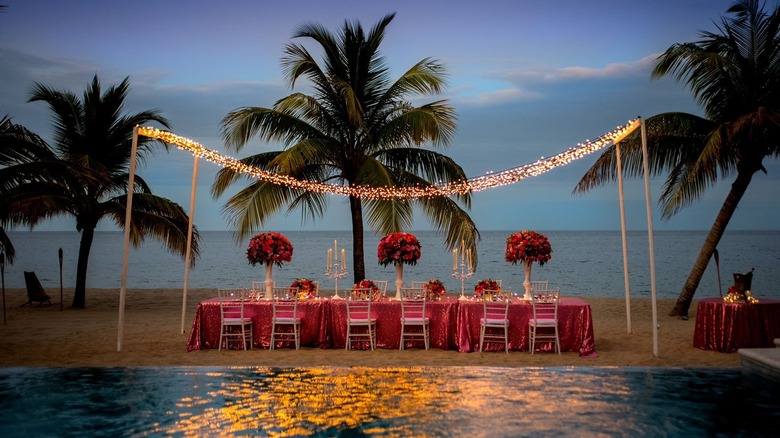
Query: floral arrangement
[
  {"x": 366, "y": 284},
  {"x": 399, "y": 247},
  {"x": 434, "y": 289},
  {"x": 267, "y": 248},
  {"x": 737, "y": 296},
  {"x": 306, "y": 288},
  {"x": 528, "y": 246},
  {"x": 488, "y": 284}
]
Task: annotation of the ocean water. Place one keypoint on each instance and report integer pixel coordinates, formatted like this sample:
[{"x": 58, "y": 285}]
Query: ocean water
[
  {"x": 416, "y": 401},
  {"x": 584, "y": 263}
]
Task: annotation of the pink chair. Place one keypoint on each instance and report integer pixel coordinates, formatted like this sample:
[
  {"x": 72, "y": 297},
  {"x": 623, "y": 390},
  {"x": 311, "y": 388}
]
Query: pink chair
[
  {"x": 361, "y": 326},
  {"x": 286, "y": 325},
  {"x": 235, "y": 325},
  {"x": 544, "y": 324},
  {"x": 415, "y": 326},
  {"x": 494, "y": 325}
]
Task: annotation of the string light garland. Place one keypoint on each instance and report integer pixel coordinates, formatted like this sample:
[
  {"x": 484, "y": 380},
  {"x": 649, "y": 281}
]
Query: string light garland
[{"x": 459, "y": 187}]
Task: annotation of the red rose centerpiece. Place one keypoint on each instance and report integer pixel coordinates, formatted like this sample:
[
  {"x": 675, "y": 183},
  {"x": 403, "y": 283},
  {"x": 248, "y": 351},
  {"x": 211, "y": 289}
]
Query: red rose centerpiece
[
  {"x": 359, "y": 290},
  {"x": 487, "y": 284},
  {"x": 528, "y": 247},
  {"x": 268, "y": 249},
  {"x": 306, "y": 288},
  {"x": 434, "y": 289},
  {"x": 399, "y": 248}
]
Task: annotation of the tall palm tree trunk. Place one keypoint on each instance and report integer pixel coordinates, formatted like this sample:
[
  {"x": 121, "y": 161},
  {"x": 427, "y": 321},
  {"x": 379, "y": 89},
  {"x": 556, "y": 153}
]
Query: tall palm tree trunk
[
  {"x": 738, "y": 189},
  {"x": 79, "y": 295},
  {"x": 358, "y": 263}
]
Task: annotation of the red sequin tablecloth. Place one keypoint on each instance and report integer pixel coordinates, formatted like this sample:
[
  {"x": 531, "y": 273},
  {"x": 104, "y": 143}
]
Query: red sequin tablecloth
[
  {"x": 207, "y": 323},
  {"x": 727, "y": 327},
  {"x": 575, "y": 327},
  {"x": 442, "y": 314},
  {"x": 454, "y": 324}
]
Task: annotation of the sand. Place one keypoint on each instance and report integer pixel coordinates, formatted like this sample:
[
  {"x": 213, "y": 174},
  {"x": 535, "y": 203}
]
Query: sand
[{"x": 47, "y": 336}]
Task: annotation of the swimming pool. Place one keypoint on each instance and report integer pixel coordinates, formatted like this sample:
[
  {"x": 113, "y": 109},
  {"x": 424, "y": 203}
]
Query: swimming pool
[{"x": 442, "y": 401}]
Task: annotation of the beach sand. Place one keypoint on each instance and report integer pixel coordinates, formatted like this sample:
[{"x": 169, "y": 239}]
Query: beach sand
[{"x": 47, "y": 336}]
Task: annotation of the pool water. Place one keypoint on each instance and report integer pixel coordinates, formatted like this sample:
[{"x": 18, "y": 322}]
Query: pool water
[{"x": 421, "y": 401}]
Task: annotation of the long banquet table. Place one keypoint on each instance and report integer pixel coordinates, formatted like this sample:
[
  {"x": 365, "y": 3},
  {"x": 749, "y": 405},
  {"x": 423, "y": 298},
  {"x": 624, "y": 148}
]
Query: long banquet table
[
  {"x": 207, "y": 323},
  {"x": 454, "y": 324},
  {"x": 575, "y": 327},
  {"x": 727, "y": 327}
]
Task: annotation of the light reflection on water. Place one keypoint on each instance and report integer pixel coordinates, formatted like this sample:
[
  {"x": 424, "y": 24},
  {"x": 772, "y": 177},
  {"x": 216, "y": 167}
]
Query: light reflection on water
[{"x": 446, "y": 401}]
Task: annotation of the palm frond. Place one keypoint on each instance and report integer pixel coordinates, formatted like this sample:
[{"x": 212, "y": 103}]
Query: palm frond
[
  {"x": 248, "y": 209},
  {"x": 452, "y": 221},
  {"x": 671, "y": 137},
  {"x": 388, "y": 215},
  {"x": 158, "y": 217}
]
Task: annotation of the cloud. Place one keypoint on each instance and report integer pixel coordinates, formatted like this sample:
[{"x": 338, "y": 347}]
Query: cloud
[{"x": 526, "y": 84}]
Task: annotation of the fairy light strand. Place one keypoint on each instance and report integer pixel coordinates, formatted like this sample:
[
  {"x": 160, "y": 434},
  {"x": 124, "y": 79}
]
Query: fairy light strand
[{"x": 460, "y": 187}]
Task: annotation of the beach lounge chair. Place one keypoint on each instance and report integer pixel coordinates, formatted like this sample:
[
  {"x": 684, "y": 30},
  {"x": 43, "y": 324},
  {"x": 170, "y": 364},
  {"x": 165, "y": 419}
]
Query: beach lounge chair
[{"x": 35, "y": 292}]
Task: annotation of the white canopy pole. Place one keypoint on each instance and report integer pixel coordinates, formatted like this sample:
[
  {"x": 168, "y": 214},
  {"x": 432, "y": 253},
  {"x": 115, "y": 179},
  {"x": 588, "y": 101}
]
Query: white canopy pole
[
  {"x": 188, "y": 256},
  {"x": 651, "y": 243},
  {"x": 623, "y": 234},
  {"x": 617, "y": 141},
  {"x": 128, "y": 209}
]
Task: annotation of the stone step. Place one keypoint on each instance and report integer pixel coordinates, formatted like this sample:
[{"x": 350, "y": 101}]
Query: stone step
[{"x": 764, "y": 361}]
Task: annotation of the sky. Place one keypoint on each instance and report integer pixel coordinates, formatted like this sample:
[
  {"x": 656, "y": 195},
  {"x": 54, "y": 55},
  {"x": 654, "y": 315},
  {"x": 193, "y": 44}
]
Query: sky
[{"x": 528, "y": 79}]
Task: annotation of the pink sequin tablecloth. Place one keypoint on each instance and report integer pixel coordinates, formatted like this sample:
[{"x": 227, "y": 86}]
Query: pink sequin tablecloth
[
  {"x": 454, "y": 325},
  {"x": 575, "y": 327},
  {"x": 206, "y": 326},
  {"x": 727, "y": 327},
  {"x": 442, "y": 314}
]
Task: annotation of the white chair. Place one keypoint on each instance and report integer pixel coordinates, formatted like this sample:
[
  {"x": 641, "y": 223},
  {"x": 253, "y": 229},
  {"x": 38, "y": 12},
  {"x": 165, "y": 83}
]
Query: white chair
[
  {"x": 494, "y": 325},
  {"x": 235, "y": 325},
  {"x": 258, "y": 289},
  {"x": 415, "y": 326},
  {"x": 382, "y": 285},
  {"x": 540, "y": 285},
  {"x": 544, "y": 324},
  {"x": 286, "y": 325},
  {"x": 418, "y": 284},
  {"x": 284, "y": 292},
  {"x": 497, "y": 294},
  {"x": 361, "y": 326}
]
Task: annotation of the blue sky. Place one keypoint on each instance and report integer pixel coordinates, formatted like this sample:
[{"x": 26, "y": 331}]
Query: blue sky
[{"x": 527, "y": 78}]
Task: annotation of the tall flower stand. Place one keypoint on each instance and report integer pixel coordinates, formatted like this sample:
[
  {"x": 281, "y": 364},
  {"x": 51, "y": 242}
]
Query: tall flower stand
[
  {"x": 527, "y": 282},
  {"x": 269, "y": 280},
  {"x": 399, "y": 279}
]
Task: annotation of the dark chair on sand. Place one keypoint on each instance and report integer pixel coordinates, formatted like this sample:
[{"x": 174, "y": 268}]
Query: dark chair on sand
[{"x": 35, "y": 292}]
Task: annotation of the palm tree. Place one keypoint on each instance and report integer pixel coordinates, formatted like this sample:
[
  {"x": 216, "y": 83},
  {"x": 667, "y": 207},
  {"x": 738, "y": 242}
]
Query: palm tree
[
  {"x": 85, "y": 173},
  {"x": 22, "y": 153},
  {"x": 735, "y": 77},
  {"x": 355, "y": 129}
]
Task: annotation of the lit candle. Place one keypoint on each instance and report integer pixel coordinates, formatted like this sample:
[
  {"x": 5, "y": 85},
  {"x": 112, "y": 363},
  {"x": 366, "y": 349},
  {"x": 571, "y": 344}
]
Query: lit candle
[
  {"x": 343, "y": 259},
  {"x": 329, "y": 262},
  {"x": 462, "y": 251},
  {"x": 455, "y": 259}
]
